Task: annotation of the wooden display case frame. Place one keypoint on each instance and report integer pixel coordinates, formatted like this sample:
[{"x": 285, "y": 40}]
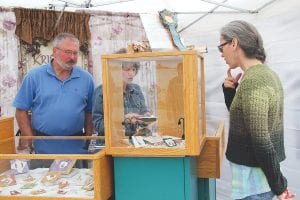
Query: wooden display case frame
[
  {"x": 194, "y": 141},
  {"x": 101, "y": 164},
  {"x": 210, "y": 159},
  {"x": 6, "y": 127}
]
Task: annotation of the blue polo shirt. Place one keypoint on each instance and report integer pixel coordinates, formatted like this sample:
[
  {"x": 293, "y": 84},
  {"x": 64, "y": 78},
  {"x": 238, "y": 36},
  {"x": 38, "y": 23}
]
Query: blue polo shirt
[{"x": 58, "y": 107}]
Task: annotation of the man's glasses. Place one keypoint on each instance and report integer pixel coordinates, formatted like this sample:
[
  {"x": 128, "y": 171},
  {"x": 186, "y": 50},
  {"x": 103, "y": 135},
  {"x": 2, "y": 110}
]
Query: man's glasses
[
  {"x": 221, "y": 46},
  {"x": 69, "y": 52}
]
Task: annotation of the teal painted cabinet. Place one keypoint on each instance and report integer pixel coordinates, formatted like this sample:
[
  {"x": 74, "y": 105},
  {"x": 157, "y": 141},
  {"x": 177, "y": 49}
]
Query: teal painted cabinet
[
  {"x": 148, "y": 178},
  {"x": 206, "y": 189}
]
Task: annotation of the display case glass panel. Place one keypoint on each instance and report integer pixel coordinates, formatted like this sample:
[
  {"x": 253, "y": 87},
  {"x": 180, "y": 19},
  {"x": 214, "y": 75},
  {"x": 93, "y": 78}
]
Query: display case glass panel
[{"x": 152, "y": 103}]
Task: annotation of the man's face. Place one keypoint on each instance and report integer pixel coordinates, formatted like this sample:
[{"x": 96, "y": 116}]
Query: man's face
[
  {"x": 66, "y": 54},
  {"x": 129, "y": 72}
]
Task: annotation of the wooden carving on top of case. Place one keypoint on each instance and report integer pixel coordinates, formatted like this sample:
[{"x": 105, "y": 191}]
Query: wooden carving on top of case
[{"x": 169, "y": 20}]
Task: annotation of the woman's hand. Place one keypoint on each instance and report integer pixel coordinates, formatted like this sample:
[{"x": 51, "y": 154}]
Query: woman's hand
[
  {"x": 286, "y": 195},
  {"x": 231, "y": 82},
  {"x": 132, "y": 117}
]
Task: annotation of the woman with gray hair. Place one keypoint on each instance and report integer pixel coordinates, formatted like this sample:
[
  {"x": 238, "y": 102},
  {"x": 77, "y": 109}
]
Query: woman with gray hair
[{"x": 255, "y": 142}]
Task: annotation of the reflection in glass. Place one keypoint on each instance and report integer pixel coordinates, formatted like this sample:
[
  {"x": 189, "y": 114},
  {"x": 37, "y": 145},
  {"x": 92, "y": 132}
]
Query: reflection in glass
[
  {"x": 134, "y": 101},
  {"x": 151, "y": 100}
]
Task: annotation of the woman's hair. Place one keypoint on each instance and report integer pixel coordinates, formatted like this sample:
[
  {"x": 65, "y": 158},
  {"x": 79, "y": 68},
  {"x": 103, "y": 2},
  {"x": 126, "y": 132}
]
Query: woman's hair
[
  {"x": 136, "y": 65},
  {"x": 62, "y": 36},
  {"x": 248, "y": 38}
]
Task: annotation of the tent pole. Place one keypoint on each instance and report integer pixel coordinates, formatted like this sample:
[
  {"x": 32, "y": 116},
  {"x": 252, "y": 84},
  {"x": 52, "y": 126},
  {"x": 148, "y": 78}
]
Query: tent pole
[
  {"x": 227, "y": 6},
  {"x": 70, "y": 3},
  {"x": 88, "y": 4},
  {"x": 195, "y": 21},
  {"x": 111, "y": 2},
  {"x": 265, "y": 5},
  {"x": 60, "y": 15},
  {"x": 216, "y": 12}
]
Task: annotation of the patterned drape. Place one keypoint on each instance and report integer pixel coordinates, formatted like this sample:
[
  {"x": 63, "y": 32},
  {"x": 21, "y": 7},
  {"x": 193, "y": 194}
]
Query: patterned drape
[
  {"x": 113, "y": 31},
  {"x": 8, "y": 61}
]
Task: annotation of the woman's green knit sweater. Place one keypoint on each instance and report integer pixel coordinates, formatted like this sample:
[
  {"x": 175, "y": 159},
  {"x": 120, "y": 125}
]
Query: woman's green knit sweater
[{"x": 256, "y": 125}]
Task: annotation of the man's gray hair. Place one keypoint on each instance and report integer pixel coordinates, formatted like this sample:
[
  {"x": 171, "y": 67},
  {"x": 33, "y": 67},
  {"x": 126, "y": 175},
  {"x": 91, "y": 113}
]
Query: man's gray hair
[
  {"x": 62, "y": 36},
  {"x": 248, "y": 38}
]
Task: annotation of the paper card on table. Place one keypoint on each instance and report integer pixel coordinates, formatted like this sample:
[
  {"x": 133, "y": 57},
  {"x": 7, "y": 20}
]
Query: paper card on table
[{"x": 63, "y": 166}]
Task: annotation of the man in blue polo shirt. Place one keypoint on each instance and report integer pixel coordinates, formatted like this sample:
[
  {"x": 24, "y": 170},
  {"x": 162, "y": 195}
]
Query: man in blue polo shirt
[{"x": 59, "y": 95}]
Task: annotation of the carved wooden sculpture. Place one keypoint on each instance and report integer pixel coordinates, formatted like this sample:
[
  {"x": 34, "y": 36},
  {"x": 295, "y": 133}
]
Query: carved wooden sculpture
[{"x": 169, "y": 20}]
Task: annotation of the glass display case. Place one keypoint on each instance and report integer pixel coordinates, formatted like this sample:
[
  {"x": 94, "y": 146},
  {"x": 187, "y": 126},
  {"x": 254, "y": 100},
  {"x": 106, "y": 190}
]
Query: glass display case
[
  {"x": 28, "y": 175},
  {"x": 154, "y": 103}
]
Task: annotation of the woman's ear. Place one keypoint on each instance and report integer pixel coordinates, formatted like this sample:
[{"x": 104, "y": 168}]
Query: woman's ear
[{"x": 234, "y": 43}]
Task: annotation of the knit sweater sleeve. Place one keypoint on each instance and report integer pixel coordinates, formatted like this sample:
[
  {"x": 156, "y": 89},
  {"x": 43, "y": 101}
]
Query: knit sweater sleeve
[
  {"x": 229, "y": 94},
  {"x": 255, "y": 108}
]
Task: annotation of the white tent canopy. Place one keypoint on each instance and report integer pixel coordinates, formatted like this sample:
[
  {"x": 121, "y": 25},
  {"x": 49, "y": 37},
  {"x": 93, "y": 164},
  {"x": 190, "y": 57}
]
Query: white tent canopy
[
  {"x": 142, "y": 6},
  {"x": 199, "y": 22},
  {"x": 189, "y": 12}
]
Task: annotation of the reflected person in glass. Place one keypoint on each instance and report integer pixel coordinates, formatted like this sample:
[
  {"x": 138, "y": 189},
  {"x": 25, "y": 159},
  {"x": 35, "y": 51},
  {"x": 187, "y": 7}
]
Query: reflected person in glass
[{"x": 134, "y": 102}]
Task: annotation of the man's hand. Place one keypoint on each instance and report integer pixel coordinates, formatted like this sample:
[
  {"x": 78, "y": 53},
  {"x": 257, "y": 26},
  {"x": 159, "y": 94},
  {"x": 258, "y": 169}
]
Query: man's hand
[
  {"x": 286, "y": 195},
  {"x": 25, "y": 146},
  {"x": 24, "y": 143},
  {"x": 24, "y": 122},
  {"x": 231, "y": 82}
]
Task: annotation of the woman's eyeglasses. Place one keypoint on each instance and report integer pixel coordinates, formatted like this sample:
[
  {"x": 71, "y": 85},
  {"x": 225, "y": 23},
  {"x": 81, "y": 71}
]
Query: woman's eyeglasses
[{"x": 221, "y": 46}]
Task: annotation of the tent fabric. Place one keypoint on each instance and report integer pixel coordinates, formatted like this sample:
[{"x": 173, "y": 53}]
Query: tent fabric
[{"x": 111, "y": 32}]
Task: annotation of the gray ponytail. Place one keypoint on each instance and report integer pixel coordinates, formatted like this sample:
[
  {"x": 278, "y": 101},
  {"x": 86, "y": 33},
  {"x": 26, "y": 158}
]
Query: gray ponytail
[{"x": 249, "y": 38}]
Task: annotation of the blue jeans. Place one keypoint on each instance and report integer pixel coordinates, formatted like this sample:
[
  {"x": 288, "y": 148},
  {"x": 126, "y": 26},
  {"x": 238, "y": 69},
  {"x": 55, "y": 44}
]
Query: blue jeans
[{"x": 262, "y": 196}]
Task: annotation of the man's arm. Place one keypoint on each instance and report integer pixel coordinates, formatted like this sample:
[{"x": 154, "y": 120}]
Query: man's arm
[
  {"x": 88, "y": 124},
  {"x": 24, "y": 123}
]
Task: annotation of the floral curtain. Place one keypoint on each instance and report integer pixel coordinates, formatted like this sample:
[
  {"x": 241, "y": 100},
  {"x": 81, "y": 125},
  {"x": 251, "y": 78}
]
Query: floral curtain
[
  {"x": 8, "y": 61},
  {"x": 113, "y": 31},
  {"x": 35, "y": 43}
]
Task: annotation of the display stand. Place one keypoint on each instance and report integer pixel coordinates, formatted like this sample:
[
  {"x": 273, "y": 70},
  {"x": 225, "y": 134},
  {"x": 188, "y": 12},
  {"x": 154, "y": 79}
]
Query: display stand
[
  {"x": 155, "y": 178},
  {"x": 98, "y": 173},
  {"x": 160, "y": 171},
  {"x": 206, "y": 189}
]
